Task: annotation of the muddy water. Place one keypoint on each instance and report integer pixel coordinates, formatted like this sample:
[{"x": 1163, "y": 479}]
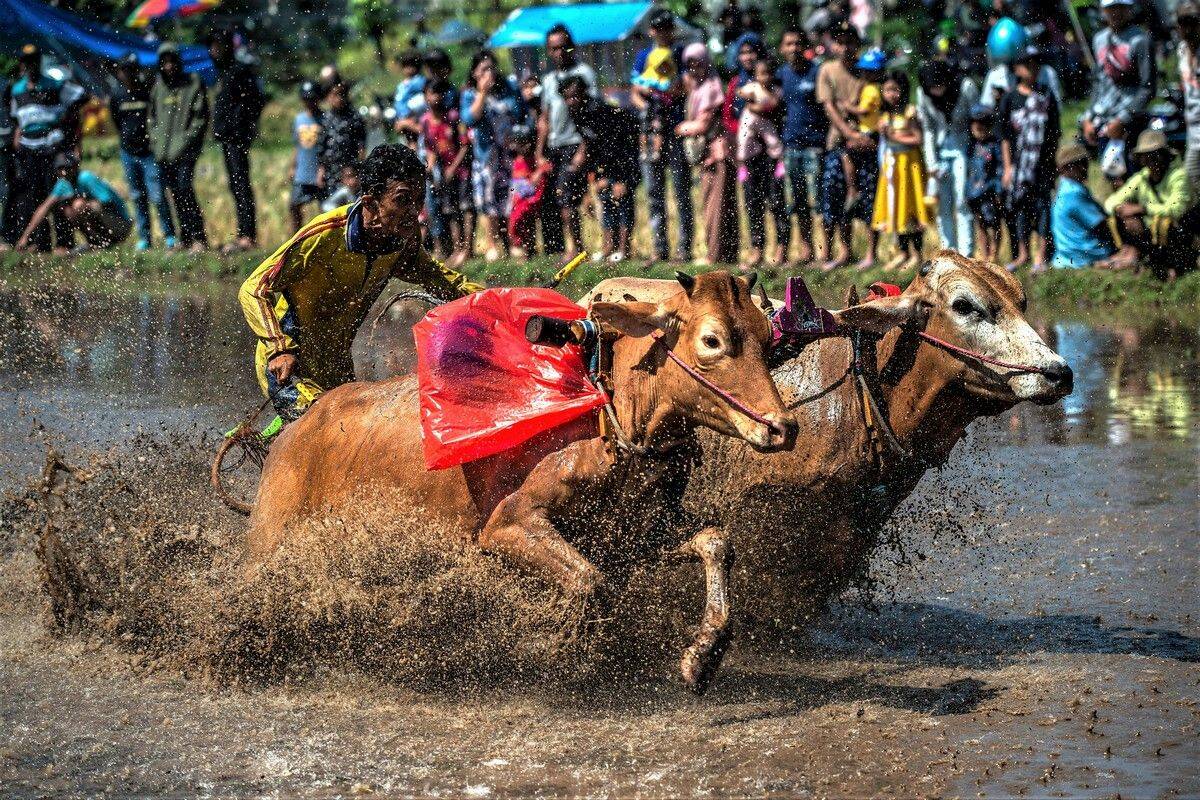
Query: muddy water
[{"x": 1048, "y": 646}]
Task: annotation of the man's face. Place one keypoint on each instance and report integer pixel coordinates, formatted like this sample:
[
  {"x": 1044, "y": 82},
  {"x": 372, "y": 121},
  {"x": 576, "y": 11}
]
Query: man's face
[
  {"x": 169, "y": 66},
  {"x": 664, "y": 33},
  {"x": 30, "y": 66},
  {"x": 1118, "y": 17},
  {"x": 847, "y": 49},
  {"x": 1157, "y": 162},
  {"x": 559, "y": 50},
  {"x": 398, "y": 211},
  {"x": 789, "y": 46}
]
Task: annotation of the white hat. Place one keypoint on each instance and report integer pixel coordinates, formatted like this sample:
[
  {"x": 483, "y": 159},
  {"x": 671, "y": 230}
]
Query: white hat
[{"x": 1111, "y": 3}]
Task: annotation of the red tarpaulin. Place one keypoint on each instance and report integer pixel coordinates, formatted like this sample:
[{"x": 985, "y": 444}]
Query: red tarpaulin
[{"x": 484, "y": 387}]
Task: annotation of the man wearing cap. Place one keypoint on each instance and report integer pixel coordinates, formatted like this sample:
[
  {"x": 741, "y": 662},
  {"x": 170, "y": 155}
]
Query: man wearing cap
[
  {"x": 238, "y": 100},
  {"x": 1154, "y": 210},
  {"x": 178, "y": 121},
  {"x": 1122, "y": 84},
  {"x": 129, "y": 106},
  {"x": 1082, "y": 237},
  {"x": 46, "y": 111},
  {"x": 657, "y": 93},
  {"x": 86, "y": 203}
]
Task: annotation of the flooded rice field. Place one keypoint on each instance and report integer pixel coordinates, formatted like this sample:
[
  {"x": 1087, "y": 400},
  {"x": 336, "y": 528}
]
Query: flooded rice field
[{"x": 1036, "y": 634}]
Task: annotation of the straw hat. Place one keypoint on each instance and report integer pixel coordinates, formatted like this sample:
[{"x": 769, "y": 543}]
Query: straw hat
[
  {"x": 1069, "y": 153},
  {"x": 1150, "y": 142}
]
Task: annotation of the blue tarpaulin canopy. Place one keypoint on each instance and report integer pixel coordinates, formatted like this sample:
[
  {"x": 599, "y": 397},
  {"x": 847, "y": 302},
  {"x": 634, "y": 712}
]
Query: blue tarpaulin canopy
[
  {"x": 589, "y": 23},
  {"x": 80, "y": 40}
]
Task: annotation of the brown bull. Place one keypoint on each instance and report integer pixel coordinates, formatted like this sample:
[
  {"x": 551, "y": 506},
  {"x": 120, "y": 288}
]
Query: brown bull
[
  {"x": 562, "y": 501},
  {"x": 806, "y": 521}
]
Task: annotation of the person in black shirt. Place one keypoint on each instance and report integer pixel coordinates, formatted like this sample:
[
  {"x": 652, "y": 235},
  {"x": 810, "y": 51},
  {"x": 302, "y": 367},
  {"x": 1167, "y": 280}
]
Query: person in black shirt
[
  {"x": 129, "y": 106},
  {"x": 610, "y": 151},
  {"x": 343, "y": 136},
  {"x": 237, "y": 105}
]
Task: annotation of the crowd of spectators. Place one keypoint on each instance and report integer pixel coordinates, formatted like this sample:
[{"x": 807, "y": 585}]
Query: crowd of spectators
[{"x": 792, "y": 148}]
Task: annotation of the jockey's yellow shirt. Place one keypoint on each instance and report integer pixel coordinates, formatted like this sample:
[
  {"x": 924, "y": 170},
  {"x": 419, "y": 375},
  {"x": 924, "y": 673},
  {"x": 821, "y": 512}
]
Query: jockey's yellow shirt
[{"x": 312, "y": 294}]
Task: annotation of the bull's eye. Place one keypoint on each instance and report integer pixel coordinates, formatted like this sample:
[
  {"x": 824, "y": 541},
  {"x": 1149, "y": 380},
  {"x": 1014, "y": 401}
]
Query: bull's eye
[
  {"x": 711, "y": 342},
  {"x": 964, "y": 307}
]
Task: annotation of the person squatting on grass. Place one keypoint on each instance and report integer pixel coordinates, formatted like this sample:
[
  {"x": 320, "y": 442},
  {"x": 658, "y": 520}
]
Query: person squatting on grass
[{"x": 87, "y": 204}]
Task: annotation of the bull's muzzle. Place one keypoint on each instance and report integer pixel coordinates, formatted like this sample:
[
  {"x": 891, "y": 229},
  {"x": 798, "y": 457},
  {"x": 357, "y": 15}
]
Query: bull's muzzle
[{"x": 777, "y": 435}]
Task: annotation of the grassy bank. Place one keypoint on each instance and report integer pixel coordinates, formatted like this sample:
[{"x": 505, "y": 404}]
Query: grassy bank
[{"x": 125, "y": 270}]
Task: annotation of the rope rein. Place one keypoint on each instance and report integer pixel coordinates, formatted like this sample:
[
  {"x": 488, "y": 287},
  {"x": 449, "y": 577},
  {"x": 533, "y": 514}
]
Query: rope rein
[
  {"x": 995, "y": 362},
  {"x": 698, "y": 377}
]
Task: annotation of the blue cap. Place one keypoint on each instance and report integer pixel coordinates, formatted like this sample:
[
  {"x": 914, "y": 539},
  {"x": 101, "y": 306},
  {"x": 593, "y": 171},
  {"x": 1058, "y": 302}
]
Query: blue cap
[{"x": 872, "y": 60}]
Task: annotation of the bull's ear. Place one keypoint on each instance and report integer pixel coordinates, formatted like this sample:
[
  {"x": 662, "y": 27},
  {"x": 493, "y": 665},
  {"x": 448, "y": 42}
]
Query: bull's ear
[
  {"x": 751, "y": 279},
  {"x": 878, "y": 316},
  {"x": 632, "y": 319}
]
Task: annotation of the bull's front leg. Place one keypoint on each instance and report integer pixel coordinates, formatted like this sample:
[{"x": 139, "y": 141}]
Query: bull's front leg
[{"x": 703, "y": 656}]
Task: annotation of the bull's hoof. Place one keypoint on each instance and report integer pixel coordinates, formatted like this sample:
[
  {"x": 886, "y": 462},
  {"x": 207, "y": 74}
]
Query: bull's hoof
[{"x": 703, "y": 658}]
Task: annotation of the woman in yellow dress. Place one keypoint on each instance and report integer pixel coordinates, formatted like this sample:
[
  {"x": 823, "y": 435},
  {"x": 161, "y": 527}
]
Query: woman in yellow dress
[{"x": 900, "y": 199}]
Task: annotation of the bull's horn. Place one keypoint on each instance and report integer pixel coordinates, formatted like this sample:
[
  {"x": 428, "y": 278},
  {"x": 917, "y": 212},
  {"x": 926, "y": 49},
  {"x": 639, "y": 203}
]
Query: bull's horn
[{"x": 686, "y": 281}]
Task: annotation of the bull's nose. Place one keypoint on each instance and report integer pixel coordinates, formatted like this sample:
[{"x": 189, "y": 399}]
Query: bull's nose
[
  {"x": 783, "y": 431},
  {"x": 1060, "y": 376}
]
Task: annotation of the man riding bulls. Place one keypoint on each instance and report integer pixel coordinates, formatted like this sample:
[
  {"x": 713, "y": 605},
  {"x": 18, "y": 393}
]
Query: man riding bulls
[{"x": 308, "y": 299}]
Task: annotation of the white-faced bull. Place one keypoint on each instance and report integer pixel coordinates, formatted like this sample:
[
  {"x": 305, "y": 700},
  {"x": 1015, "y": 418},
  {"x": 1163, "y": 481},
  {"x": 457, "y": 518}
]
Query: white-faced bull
[{"x": 953, "y": 347}]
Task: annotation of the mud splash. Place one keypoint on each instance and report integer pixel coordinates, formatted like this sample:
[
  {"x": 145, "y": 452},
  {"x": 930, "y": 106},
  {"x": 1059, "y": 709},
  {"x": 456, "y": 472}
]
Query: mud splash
[{"x": 135, "y": 550}]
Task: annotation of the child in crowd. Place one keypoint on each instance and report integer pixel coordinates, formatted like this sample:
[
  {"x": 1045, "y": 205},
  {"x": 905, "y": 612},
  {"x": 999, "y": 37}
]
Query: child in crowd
[
  {"x": 983, "y": 180},
  {"x": 343, "y": 136},
  {"x": 306, "y": 135},
  {"x": 1030, "y": 128},
  {"x": 349, "y": 190},
  {"x": 867, "y": 110},
  {"x": 525, "y": 195},
  {"x": 409, "y": 100},
  {"x": 445, "y": 145},
  {"x": 758, "y": 125},
  {"x": 654, "y": 77},
  {"x": 900, "y": 195}
]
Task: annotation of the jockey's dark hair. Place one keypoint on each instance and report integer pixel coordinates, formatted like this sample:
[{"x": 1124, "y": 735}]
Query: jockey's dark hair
[
  {"x": 388, "y": 164},
  {"x": 563, "y": 30}
]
